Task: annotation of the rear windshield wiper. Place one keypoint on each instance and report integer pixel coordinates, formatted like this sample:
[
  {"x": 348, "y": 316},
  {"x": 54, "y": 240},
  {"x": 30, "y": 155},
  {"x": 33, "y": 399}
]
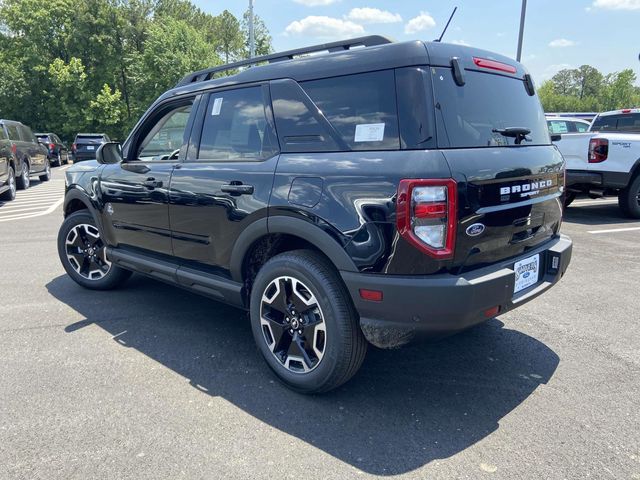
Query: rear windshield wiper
[{"x": 519, "y": 133}]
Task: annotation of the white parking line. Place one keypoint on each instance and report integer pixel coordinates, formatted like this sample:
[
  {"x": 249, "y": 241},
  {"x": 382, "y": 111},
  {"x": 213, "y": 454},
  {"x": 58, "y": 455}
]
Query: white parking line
[
  {"x": 37, "y": 214},
  {"x": 613, "y": 230}
]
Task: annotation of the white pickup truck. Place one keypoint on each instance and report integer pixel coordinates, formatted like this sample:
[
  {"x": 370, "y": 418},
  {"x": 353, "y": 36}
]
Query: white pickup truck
[{"x": 605, "y": 159}]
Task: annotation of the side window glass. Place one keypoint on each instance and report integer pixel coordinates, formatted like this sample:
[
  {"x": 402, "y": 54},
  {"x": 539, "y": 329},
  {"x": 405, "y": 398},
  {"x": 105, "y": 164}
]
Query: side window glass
[
  {"x": 3, "y": 134},
  {"x": 362, "y": 108},
  {"x": 165, "y": 138},
  {"x": 13, "y": 132},
  {"x": 558, "y": 126},
  {"x": 415, "y": 108},
  {"x": 581, "y": 127},
  {"x": 235, "y": 127}
]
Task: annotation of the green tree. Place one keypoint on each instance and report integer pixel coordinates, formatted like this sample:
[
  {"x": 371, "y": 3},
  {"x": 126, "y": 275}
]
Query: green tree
[
  {"x": 107, "y": 111},
  {"x": 230, "y": 36}
]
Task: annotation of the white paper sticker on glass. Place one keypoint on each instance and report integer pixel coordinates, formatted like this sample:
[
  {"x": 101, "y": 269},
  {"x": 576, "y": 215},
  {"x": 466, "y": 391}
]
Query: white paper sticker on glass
[
  {"x": 217, "y": 106},
  {"x": 369, "y": 132}
]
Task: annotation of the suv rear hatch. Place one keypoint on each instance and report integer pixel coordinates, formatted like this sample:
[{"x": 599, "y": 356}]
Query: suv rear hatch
[
  {"x": 88, "y": 144},
  {"x": 509, "y": 183}
]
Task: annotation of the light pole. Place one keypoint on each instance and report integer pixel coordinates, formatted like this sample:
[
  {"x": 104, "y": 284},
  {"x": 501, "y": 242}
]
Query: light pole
[
  {"x": 252, "y": 42},
  {"x": 522, "y": 15}
]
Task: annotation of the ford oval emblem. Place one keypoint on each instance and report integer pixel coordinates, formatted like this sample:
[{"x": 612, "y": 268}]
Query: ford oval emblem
[{"x": 475, "y": 229}]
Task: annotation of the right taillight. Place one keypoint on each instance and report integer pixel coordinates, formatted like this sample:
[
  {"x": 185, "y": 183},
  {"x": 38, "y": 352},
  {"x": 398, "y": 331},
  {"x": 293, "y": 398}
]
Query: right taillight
[
  {"x": 598, "y": 150},
  {"x": 426, "y": 215}
]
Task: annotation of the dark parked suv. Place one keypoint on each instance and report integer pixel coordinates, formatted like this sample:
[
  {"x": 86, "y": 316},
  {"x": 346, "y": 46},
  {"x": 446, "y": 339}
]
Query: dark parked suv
[
  {"x": 57, "y": 151},
  {"x": 21, "y": 156},
  {"x": 371, "y": 194},
  {"x": 86, "y": 144}
]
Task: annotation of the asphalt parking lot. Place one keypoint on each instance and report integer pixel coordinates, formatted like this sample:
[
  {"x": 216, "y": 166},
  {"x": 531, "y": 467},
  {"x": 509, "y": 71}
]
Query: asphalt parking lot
[{"x": 153, "y": 382}]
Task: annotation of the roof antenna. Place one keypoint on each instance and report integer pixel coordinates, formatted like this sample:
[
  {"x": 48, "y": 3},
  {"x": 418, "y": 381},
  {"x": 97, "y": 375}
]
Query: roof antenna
[{"x": 447, "y": 25}]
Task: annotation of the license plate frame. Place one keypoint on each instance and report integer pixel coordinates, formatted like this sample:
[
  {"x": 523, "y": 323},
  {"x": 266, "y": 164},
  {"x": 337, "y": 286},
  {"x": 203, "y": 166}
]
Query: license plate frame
[{"x": 527, "y": 273}]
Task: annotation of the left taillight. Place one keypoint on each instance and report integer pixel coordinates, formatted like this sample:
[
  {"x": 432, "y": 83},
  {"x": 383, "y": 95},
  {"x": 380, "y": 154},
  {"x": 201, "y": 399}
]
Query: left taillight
[{"x": 426, "y": 215}]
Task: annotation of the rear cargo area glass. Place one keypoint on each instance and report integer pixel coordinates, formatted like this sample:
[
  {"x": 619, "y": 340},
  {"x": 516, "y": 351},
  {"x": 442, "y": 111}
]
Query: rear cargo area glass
[{"x": 467, "y": 115}]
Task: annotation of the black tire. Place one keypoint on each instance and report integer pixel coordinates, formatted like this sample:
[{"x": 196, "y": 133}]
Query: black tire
[
  {"x": 569, "y": 198},
  {"x": 629, "y": 198},
  {"x": 10, "y": 194},
  {"x": 46, "y": 176},
  {"x": 58, "y": 161},
  {"x": 342, "y": 343},
  {"x": 23, "y": 181},
  {"x": 110, "y": 277}
]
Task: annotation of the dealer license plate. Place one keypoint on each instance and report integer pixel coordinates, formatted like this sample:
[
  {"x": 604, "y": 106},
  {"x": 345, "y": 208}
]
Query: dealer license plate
[{"x": 526, "y": 272}]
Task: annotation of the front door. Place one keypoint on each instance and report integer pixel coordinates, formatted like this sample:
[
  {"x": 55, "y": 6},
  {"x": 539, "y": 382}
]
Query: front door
[
  {"x": 135, "y": 192},
  {"x": 225, "y": 182}
]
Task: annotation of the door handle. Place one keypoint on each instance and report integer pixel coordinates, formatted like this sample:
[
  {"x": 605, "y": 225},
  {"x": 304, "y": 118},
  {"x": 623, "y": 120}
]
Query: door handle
[
  {"x": 237, "y": 188},
  {"x": 152, "y": 183}
]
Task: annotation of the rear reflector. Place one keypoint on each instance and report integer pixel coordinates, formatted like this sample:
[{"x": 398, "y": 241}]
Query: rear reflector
[
  {"x": 492, "y": 312},
  {"x": 493, "y": 65},
  {"x": 371, "y": 295}
]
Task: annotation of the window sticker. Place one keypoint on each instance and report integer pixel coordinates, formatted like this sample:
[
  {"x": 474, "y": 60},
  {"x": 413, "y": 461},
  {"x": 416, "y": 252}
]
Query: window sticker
[
  {"x": 217, "y": 106},
  {"x": 369, "y": 132}
]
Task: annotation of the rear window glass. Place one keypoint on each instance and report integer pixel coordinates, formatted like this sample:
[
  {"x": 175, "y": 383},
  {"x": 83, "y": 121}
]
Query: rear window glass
[
  {"x": 624, "y": 122},
  {"x": 467, "y": 115},
  {"x": 43, "y": 138},
  {"x": 89, "y": 139},
  {"x": 362, "y": 108}
]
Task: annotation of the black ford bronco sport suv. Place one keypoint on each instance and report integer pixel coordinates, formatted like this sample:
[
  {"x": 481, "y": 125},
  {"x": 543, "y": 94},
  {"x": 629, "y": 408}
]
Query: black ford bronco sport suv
[{"x": 362, "y": 195}]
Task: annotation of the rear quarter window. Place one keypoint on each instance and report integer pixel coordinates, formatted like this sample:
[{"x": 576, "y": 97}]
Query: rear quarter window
[
  {"x": 361, "y": 107},
  {"x": 13, "y": 132}
]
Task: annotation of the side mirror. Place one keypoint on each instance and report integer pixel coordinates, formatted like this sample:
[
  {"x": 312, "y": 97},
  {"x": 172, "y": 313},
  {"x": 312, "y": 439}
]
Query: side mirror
[
  {"x": 556, "y": 137},
  {"x": 108, "y": 153}
]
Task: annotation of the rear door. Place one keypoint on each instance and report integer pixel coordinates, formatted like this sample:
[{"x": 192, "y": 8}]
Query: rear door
[
  {"x": 135, "y": 193},
  {"x": 36, "y": 153},
  {"x": 512, "y": 186},
  {"x": 225, "y": 182}
]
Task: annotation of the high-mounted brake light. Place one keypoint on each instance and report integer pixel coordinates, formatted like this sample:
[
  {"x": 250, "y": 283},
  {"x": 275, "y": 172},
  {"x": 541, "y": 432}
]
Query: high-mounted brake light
[
  {"x": 426, "y": 215},
  {"x": 493, "y": 65},
  {"x": 626, "y": 110},
  {"x": 598, "y": 150}
]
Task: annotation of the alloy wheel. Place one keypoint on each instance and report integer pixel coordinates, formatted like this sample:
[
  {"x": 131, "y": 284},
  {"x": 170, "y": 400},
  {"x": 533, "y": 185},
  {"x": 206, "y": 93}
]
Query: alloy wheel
[
  {"x": 25, "y": 176},
  {"x": 86, "y": 252},
  {"x": 12, "y": 184},
  {"x": 293, "y": 325}
]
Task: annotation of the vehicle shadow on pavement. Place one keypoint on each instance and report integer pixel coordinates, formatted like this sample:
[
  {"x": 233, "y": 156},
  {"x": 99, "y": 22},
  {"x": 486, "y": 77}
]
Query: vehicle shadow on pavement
[
  {"x": 599, "y": 215},
  {"x": 403, "y": 409}
]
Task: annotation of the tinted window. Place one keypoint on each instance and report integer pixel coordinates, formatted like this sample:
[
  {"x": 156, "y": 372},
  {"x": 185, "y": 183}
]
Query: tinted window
[
  {"x": 625, "y": 122},
  {"x": 165, "y": 138},
  {"x": 236, "y": 127},
  {"x": 26, "y": 135},
  {"x": 362, "y": 108},
  {"x": 3, "y": 134},
  {"x": 581, "y": 127},
  {"x": 415, "y": 108},
  {"x": 89, "y": 139},
  {"x": 13, "y": 132},
  {"x": 558, "y": 126},
  {"x": 43, "y": 138},
  {"x": 467, "y": 115}
]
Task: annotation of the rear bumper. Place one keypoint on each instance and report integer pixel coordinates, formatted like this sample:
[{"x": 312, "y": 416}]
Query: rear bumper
[
  {"x": 444, "y": 304},
  {"x": 83, "y": 157},
  {"x": 597, "y": 179}
]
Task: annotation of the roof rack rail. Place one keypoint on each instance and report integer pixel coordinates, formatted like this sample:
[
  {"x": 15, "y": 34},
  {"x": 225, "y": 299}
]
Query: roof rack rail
[{"x": 206, "y": 74}]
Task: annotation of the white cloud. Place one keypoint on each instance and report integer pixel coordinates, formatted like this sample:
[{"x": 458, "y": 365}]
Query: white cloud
[
  {"x": 324, "y": 27},
  {"x": 424, "y": 21},
  {"x": 316, "y": 3},
  {"x": 562, "y": 42},
  {"x": 373, "y": 15},
  {"x": 460, "y": 42},
  {"x": 617, "y": 4}
]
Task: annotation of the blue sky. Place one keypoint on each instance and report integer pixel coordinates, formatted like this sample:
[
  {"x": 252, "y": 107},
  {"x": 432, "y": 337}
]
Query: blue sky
[{"x": 558, "y": 33}]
